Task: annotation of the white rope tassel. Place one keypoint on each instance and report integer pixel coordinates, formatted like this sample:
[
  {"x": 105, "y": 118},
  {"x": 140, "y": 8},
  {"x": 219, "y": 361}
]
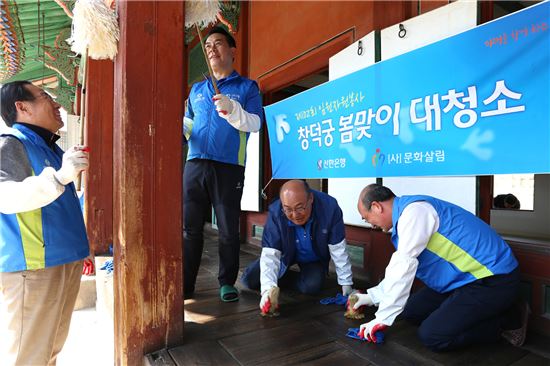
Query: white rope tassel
[
  {"x": 95, "y": 27},
  {"x": 201, "y": 12}
]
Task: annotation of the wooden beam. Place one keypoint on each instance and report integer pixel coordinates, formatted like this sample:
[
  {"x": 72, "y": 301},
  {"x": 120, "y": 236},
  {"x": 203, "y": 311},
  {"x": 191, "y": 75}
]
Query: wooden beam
[{"x": 149, "y": 96}]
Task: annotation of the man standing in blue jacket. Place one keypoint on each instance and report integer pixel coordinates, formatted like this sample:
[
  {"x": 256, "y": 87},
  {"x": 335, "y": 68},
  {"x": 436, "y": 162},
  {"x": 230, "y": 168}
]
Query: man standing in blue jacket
[
  {"x": 303, "y": 227},
  {"x": 42, "y": 235},
  {"x": 217, "y": 127},
  {"x": 470, "y": 273}
]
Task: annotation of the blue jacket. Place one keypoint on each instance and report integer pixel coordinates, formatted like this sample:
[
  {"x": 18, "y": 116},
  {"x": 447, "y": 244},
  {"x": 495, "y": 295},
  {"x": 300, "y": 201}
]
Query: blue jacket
[
  {"x": 49, "y": 236},
  {"x": 327, "y": 228},
  {"x": 463, "y": 250},
  {"x": 212, "y": 137}
]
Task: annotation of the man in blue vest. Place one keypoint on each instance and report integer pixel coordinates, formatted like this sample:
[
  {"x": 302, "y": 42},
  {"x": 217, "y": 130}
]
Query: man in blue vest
[
  {"x": 303, "y": 227},
  {"x": 470, "y": 273},
  {"x": 42, "y": 235},
  {"x": 217, "y": 127}
]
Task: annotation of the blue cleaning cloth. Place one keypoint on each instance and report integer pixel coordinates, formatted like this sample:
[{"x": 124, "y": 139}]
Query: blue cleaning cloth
[
  {"x": 339, "y": 299},
  {"x": 354, "y": 333},
  {"x": 108, "y": 266}
]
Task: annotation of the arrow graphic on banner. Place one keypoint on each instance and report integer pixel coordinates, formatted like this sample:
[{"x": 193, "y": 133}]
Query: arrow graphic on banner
[
  {"x": 281, "y": 127},
  {"x": 475, "y": 140},
  {"x": 357, "y": 153}
]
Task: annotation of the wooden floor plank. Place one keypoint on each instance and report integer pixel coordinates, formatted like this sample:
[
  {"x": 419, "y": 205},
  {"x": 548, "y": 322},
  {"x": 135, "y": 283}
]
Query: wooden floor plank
[
  {"x": 341, "y": 357},
  {"x": 217, "y": 333},
  {"x": 239, "y": 323},
  {"x": 328, "y": 354},
  {"x": 538, "y": 344},
  {"x": 387, "y": 353},
  {"x": 210, "y": 261},
  {"x": 206, "y": 282},
  {"x": 268, "y": 344},
  {"x": 496, "y": 354},
  {"x": 202, "y": 353},
  {"x": 403, "y": 340},
  {"x": 532, "y": 360},
  {"x": 207, "y": 306}
]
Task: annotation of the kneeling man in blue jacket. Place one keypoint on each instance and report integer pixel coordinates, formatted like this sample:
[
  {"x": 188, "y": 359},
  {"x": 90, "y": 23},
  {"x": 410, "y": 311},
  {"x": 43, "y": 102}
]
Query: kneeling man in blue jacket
[
  {"x": 303, "y": 227},
  {"x": 470, "y": 273}
]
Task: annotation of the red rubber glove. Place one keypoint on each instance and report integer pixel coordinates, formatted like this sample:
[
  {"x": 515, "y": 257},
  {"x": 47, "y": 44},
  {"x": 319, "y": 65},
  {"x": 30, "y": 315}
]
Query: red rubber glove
[
  {"x": 88, "y": 267},
  {"x": 368, "y": 330},
  {"x": 265, "y": 303},
  {"x": 266, "y": 307},
  {"x": 269, "y": 304}
]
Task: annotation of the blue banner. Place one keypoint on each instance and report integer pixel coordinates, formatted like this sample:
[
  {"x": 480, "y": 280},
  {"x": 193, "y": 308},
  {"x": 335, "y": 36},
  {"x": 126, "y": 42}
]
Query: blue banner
[{"x": 473, "y": 104}]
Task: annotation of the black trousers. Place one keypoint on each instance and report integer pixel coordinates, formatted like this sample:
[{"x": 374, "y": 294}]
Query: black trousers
[
  {"x": 470, "y": 314},
  {"x": 206, "y": 183}
]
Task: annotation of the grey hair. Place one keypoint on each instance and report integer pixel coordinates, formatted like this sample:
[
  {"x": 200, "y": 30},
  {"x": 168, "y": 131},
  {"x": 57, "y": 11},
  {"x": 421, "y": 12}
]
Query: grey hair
[{"x": 375, "y": 192}]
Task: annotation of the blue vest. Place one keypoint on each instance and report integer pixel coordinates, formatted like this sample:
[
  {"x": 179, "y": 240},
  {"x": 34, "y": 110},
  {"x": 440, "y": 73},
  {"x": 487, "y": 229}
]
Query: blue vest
[
  {"x": 212, "y": 137},
  {"x": 304, "y": 246},
  {"x": 463, "y": 250},
  {"x": 327, "y": 228},
  {"x": 49, "y": 236}
]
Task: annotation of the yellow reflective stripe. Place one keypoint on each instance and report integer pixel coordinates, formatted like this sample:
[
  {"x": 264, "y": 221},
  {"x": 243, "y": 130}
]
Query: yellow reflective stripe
[
  {"x": 446, "y": 249},
  {"x": 242, "y": 147},
  {"x": 30, "y": 225}
]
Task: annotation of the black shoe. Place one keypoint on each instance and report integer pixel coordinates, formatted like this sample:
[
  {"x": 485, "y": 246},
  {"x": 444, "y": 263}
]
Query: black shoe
[{"x": 516, "y": 337}]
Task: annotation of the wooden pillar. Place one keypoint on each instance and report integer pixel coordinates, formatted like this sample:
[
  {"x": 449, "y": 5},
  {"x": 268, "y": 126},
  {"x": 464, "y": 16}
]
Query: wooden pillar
[
  {"x": 99, "y": 137},
  {"x": 149, "y": 94}
]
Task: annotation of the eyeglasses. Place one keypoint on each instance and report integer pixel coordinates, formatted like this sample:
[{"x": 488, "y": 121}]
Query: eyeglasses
[{"x": 297, "y": 210}]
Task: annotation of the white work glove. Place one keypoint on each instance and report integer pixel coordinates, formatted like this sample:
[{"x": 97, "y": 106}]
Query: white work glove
[
  {"x": 347, "y": 290},
  {"x": 368, "y": 330},
  {"x": 75, "y": 160},
  {"x": 223, "y": 104},
  {"x": 364, "y": 299}
]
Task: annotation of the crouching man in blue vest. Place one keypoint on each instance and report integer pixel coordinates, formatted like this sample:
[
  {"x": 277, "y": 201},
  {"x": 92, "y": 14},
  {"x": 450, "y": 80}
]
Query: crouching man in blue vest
[
  {"x": 470, "y": 273},
  {"x": 42, "y": 235},
  {"x": 305, "y": 227}
]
